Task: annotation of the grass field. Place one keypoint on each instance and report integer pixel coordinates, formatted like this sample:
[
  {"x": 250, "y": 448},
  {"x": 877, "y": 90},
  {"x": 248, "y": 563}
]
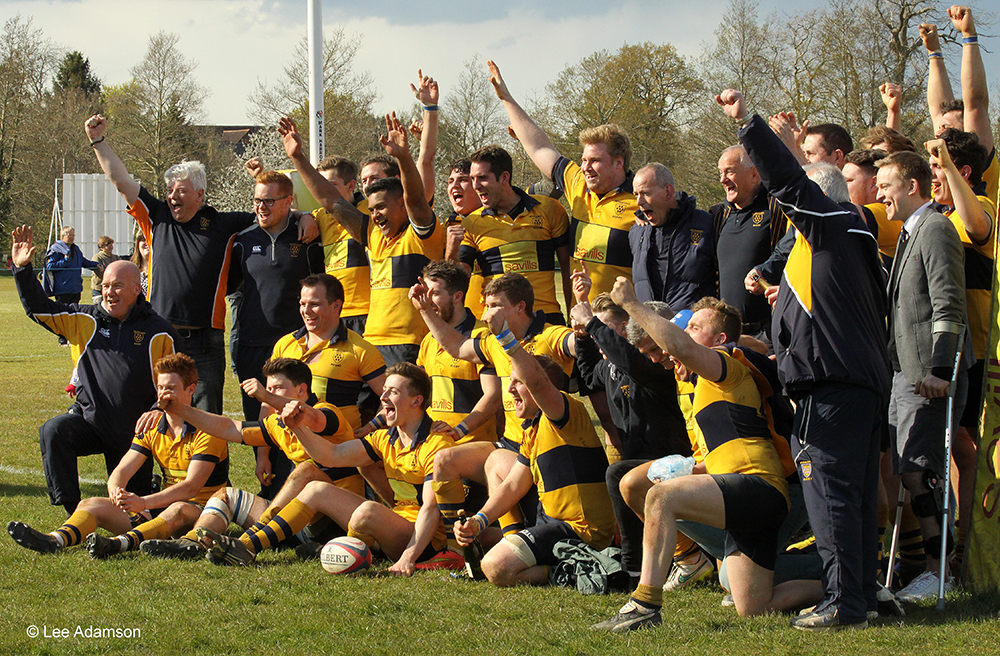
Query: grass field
[{"x": 284, "y": 606}]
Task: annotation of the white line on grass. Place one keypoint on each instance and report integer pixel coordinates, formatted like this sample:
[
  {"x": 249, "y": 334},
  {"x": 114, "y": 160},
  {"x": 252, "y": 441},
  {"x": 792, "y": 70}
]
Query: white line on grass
[{"x": 35, "y": 472}]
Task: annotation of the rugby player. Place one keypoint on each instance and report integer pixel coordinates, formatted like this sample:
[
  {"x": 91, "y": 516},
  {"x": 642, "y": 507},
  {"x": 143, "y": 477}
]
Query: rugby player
[{"x": 195, "y": 465}]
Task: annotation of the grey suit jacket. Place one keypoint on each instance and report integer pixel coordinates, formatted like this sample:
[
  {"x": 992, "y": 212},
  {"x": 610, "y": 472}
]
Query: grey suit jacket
[{"x": 927, "y": 300}]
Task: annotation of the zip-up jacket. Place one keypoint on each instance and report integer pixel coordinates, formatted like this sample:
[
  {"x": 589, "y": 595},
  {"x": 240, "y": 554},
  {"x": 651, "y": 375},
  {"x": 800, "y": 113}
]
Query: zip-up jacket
[
  {"x": 675, "y": 262},
  {"x": 829, "y": 320},
  {"x": 64, "y": 263},
  {"x": 114, "y": 359},
  {"x": 270, "y": 269},
  {"x": 642, "y": 394}
]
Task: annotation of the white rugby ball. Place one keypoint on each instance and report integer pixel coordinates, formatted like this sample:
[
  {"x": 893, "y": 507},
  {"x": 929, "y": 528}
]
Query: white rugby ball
[{"x": 345, "y": 556}]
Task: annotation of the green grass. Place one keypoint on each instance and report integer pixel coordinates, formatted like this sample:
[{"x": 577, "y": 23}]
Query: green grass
[{"x": 285, "y": 606}]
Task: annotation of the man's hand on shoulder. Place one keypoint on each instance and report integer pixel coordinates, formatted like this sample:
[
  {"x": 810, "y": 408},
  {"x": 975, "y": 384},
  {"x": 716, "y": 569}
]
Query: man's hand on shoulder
[{"x": 148, "y": 421}]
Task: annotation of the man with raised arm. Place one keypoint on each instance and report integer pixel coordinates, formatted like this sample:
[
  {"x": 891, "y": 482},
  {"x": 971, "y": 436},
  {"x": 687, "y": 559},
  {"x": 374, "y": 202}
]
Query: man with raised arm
[
  {"x": 972, "y": 112},
  {"x": 415, "y": 531},
  {"x": 740, "y": 486},
  {"x": 830, "y": 338},
  {"x": 290, "y": 380},
  {"x": 401, "y": 235},
  {"x": 114, "y": 346},
  {"x": 599, "y": 190},
  {"x": 512, "y": 296},
  {"x": 560, "y": 454},
  {"x": 190, "y": 267}
]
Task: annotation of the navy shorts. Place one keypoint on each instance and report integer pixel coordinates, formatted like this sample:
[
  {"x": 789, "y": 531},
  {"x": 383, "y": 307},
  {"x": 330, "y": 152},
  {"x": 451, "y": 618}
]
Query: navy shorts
[{"x": 755, "y": 510}]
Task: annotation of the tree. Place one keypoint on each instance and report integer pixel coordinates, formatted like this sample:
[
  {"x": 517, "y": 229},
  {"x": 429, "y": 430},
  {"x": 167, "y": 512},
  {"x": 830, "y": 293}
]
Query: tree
[
  {"x": 350, "y": 128},
  {"x": 74, "y": 73},
  {"x": 646, "y": 88},
  {"x": 152, "y": 115},
  {"x": 26, "y": 62}
]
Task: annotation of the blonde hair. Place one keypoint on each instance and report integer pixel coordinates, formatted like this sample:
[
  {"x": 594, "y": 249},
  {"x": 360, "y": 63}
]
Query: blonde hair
[{"x": 615, "y": 139}]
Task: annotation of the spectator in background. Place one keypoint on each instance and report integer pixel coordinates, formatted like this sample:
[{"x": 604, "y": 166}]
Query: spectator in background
[
  {"x": 140, "y": 258},
  {"x": 63, "y": 262},
  {"x": 105, "y": 256}
]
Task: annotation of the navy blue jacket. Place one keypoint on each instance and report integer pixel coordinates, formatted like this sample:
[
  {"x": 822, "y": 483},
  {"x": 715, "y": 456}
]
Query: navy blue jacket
[
  {"x": 63, "y": 263},
  {"x": 829, "y": 321},
  {"x": 675, "y": 262}
]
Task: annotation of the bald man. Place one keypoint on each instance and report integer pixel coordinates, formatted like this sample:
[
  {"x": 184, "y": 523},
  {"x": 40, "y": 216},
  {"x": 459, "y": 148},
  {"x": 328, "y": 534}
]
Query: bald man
[{"x": 114, "y": 346}]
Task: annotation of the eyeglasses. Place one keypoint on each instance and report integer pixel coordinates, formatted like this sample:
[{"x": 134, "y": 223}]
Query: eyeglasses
[{"x": 268, "y": 202}]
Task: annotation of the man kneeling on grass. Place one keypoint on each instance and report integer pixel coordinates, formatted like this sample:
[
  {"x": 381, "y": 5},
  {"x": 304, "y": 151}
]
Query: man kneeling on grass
[
  {"x": 195, "y": 465},
  {"x": 561, "y": 454},
  {"x": 413, "y": 533},
  {"x": 289, "y": 379},
  {"x": 744, "y": 491}
]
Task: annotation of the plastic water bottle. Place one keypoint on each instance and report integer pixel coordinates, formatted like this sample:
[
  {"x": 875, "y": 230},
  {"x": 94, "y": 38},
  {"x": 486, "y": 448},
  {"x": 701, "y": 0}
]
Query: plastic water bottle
[{"x": 668, "y": 467}]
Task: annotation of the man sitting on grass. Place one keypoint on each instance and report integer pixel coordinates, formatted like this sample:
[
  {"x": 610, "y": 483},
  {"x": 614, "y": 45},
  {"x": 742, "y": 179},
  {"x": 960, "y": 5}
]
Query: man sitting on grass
[
  {"x": 561, "y": 454},
  {"x": 290, "y": 379},
  {"x": 744, "y": 491},
  {"x": 195, "y": 465},
  {"x": 413, "y": 533}
]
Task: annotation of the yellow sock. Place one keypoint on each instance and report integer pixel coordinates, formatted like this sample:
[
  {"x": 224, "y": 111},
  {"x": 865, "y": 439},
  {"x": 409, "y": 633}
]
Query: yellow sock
[
  {"x": 512, "y": 521},
  {"x": 191, "y": 535},
  {"x": 364, "y": 537},
  {"x": 269, "y": 513},
  {"x": 685, "y": 548},
  {"x": 292, "y": 519},
  {"x": 79, "y": 525},
  {"x": 649, "y": 596},
  {"x": 154, "y": 529}
]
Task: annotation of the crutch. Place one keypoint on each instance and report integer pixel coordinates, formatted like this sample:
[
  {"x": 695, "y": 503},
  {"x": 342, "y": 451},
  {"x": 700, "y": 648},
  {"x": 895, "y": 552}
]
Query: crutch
[
  {"x": 895, "y": 535},
  {"x": 945, "y": 513}
]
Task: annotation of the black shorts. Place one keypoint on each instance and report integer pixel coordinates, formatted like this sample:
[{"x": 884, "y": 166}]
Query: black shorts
[
  {"x": 754, "y": 512},
  {"x": 973, "y": 398},
  {"x": 356, "y": 323},
  {"x": 542, "y": 538},
  {"x": 393, "y": 353}
]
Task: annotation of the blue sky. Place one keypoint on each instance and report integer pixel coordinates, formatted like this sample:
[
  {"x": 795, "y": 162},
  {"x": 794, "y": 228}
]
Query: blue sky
[{"x": 238, "y": 42}]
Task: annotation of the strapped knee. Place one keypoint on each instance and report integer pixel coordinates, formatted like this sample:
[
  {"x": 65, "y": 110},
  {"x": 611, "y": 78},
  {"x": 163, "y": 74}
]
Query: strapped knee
[{"x": 931, "y": 502}]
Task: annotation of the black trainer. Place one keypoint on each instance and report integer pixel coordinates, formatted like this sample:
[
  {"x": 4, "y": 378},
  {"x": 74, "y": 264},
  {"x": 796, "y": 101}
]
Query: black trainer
[
  {"x": 309, "y": 550},
  {"x": 101, "y": 547},
  {"x": 29, "y": 538},
  {"x": 181, "y": 548}
]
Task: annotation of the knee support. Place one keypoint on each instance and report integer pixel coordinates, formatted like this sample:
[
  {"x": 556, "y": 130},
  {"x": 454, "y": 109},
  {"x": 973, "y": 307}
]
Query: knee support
[
  {"x": 235, "y": 508},
  {"x": 931, "y": 502}
]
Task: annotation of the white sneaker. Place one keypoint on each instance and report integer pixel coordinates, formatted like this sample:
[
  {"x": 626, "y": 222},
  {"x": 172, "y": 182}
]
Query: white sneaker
[
  {"x": 682, "y": 575},
  {"x": 924, "y": 587}
]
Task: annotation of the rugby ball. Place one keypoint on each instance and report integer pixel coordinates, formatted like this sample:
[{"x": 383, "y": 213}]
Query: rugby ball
[{"x": 345, "y": 556}]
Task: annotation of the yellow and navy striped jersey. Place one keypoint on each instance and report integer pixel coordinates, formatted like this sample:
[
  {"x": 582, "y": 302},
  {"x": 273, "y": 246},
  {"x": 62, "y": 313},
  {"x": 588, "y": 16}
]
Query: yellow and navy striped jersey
[
  {"x": 732, "y": 425},
  {"x": 991, "y": 178},
  {"x": 685, "y": 399},
  {"x": 888, "y": 231},
  {"x": 455, "y": 386},
  {"x": 599, "y": 226},
  {"x": 409, "y": 467},
  {"x": 474, "y": 297},
  {"x": 174, "y": 456},
  {"x": 340, "y": 366},
  {"x": 541, "y": 339},
  {"x": 978, "y": 276},
  {"x": 524, "y": 241},
  {"x": 344, "y": 257},
  {"x": 396, "y": 263},
  {"x": 272, "y": 432},
  {"x": 568, "y": 465}
]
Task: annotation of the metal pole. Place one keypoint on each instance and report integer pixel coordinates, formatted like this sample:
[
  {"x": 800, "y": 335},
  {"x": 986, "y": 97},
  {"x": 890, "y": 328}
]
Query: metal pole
[
  {"x": 317, "y": 138},
  {"x": 945, "y": 513}
]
